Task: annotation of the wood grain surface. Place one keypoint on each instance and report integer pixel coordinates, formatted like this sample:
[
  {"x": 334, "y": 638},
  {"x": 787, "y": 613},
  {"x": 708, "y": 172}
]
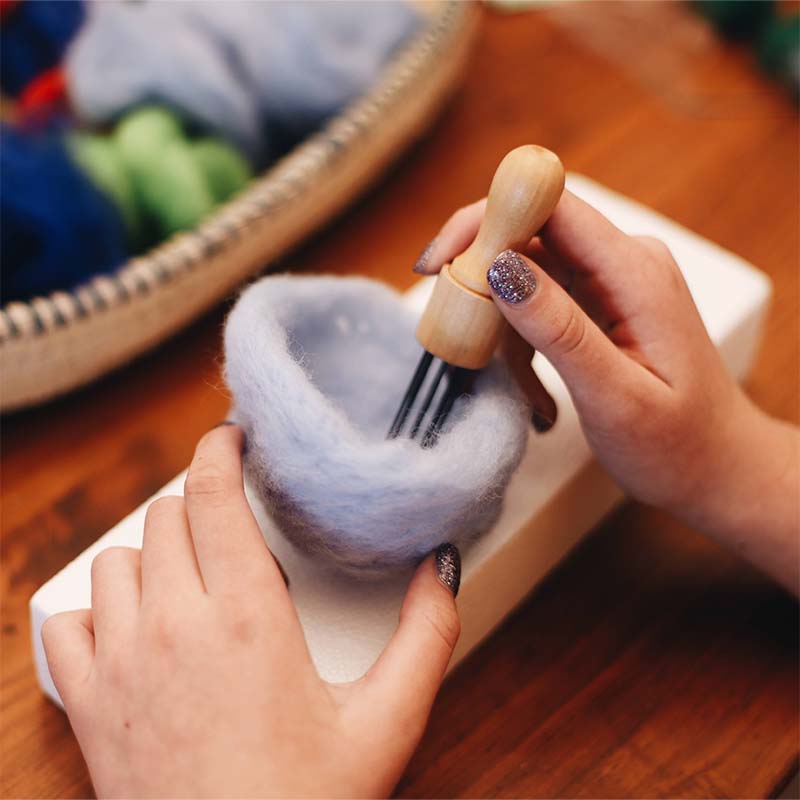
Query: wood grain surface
[{"x": 652, "y": 663}]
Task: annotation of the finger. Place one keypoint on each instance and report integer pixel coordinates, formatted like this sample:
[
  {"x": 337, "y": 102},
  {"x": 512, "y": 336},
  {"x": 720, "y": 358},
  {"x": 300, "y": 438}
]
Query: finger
[
  {"x": 560, "y": 271},
  {"x": 453, "y": 239},
  {"x": 555, "y": 325},
  {"x": 169, "y": 563},
  {"x": 116, "y": 590},
  {"x": 582, "y": 237},
  {"x": 68, "y": 640},
  {"x": 630, "y": 285},
  {"x": 230, "y": 548},
  {"x": 518, "y": 355},
  {"x": 410, "y": 670}
]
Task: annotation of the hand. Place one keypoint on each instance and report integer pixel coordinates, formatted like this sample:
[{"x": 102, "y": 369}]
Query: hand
[
  {"x": 614, "y": 316},
  {"x": 190, "y": 675}
]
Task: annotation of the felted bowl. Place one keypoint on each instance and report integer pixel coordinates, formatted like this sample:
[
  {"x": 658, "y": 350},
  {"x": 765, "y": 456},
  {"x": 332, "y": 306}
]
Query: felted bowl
[
  {"x": 317, "y": 367},
  {"x": 54, "y": 344}
]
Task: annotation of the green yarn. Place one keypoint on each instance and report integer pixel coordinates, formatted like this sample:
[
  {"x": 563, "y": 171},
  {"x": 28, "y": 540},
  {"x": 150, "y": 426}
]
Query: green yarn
[
  {"x": 161, "y": 181},
  {"x": 736, "y": 19},
  {"x": 174, "y": 191},
  {"x": 225, "y": 171},
  {"x": 98, "y": 158},
  {"x": 169, "y": 187},
  {"x": 778, "y": 50},
  {"x": 149, "y": 126}
]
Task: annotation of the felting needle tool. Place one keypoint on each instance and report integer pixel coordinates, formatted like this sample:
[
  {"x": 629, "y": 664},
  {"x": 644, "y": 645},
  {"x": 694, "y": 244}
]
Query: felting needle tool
[{"x": 461, "y": 326}]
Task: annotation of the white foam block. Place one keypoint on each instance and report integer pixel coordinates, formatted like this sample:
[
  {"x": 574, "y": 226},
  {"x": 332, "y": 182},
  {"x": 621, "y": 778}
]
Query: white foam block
[{"x": 557, "y": 495}]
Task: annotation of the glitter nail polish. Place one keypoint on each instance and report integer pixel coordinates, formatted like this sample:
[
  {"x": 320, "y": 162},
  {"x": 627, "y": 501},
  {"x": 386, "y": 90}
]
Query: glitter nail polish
[
  {"x": 448, "y": 566},
  {"x": 421, "y": 265},
  {"x": 510, "y": 278}
]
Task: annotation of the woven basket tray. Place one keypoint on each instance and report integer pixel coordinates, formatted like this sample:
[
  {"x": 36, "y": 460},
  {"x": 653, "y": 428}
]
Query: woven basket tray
[{"x": 57, "y": 343}]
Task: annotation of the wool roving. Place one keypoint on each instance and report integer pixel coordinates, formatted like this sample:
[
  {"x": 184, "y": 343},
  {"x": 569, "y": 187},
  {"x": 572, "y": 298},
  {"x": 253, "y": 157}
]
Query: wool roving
[
  {"x": 303, "y": 61},
  {"x": 57, "y": 228},
  {"x": 127, "y": 54},
  {"x": 224, "y": 170},
  {"x": 161, "y": 180},
  {"x": 98, "y": 157},
  {"x": 177, "y": 180},
  {"x": 33, "y": 37},
  {"x": 168, "y": 185},
  {"x": 316, "y": 365},
  {"x": 241, "y": 70}
]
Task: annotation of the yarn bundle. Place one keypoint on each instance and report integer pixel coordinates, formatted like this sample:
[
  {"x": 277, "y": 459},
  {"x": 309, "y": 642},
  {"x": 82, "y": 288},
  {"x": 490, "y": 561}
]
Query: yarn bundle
[
  {"x": 250, "y": 73},
  {"x": 161, "y": 180},
  {"x": 153, "y": 112},
  {"x": 56, "y": 226}
]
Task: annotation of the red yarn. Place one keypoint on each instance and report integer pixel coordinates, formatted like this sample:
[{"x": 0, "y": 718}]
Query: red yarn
[
  {"x": 7, "y": 8},
  {"x": 45, "y": 90}
]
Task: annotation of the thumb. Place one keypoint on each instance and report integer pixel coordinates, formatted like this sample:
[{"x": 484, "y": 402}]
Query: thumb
[
  {"x": 555, "y": 325},
  {"x": 411, "y": 668},
  {"x": 68, "y": 639}
]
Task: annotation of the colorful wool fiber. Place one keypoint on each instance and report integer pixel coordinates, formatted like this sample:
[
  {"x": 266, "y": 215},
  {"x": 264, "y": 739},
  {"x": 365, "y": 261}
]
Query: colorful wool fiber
[
  {"x": 161, "y": 180},
  {"x": 57, "y": 228},
  {"x": 33, "y": 37},
  {"x": 243, "y": 71}
]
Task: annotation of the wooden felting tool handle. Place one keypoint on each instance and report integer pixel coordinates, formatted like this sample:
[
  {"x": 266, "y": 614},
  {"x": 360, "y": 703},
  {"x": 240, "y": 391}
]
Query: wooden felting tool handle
[{"x": 461, "y": 324}]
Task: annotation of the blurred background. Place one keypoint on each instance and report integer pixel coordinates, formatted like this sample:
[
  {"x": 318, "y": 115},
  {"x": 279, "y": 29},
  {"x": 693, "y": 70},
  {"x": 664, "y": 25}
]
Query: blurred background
[{"x": 154, "y": 157}]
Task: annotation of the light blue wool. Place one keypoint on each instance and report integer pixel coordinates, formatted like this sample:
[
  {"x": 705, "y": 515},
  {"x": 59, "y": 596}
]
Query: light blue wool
[
  {"x": 243, "y": 70},
  {"x": 317, "y": 367},
  {"x": 127, "y": 54}
]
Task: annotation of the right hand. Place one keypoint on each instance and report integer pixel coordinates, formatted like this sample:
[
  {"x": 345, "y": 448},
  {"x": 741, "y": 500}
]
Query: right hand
[{"x": 614, "y": 316}]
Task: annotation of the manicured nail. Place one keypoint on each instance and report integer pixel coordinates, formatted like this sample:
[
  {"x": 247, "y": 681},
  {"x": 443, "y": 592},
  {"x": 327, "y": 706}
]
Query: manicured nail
[
  {"x": 421, "y": 266},
  {"x": 448, "y": 566},
  {"x": 510, "y": 278},
  {"x": 540, "y": 422}
]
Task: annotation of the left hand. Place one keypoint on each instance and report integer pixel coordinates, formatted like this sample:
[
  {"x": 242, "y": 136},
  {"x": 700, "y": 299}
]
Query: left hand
[{"x": 190, "y": 675}]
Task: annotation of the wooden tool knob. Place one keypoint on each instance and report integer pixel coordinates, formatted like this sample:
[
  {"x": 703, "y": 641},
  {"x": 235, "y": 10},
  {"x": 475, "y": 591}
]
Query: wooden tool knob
[{"x": 461, "y": 324}]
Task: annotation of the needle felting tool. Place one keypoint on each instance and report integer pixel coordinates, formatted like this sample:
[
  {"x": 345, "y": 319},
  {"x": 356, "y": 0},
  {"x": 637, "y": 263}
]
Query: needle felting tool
[{"x": 461, "y": 326}]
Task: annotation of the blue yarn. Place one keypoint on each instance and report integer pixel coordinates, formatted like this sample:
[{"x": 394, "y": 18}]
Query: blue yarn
[
  {"x": 34, "y": 38},
  {"x": 242, "y": 70},
  {"x": 57, "y": 229}
]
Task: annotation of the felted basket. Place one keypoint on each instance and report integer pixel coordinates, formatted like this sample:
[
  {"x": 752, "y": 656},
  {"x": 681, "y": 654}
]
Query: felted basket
[
  {"x": 316, "y": 366},
  {"x": 54, "y": 344}
]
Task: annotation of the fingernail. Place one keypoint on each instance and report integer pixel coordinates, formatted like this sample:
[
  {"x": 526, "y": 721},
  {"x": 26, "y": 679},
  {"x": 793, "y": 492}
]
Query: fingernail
[
  {"x": 448, "y": 566},
  {"x": 421, "y": 267},
  {"x": 540, "y": 422},
  {"x": 223, "y": 424},
  {"x": 511, "y": 278}
]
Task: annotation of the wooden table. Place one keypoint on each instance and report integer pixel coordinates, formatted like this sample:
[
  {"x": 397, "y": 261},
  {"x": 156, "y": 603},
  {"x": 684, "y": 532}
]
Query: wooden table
[{"x": 651, "y": 663}]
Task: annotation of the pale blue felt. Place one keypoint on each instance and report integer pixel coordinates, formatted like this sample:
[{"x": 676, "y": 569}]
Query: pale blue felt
[
  {"x": 247, "y": 71},
  {"x": 317, "y": 367}
]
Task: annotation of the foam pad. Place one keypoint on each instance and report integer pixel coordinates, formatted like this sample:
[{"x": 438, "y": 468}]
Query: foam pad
[{"x": 317, "y": 367}]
